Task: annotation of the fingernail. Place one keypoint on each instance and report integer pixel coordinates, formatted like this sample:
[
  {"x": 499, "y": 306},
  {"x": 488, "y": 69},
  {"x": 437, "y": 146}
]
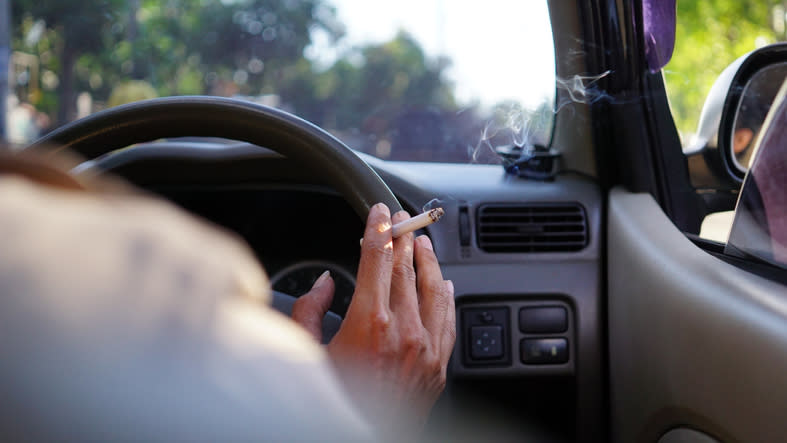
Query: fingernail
[
  {"x": 425, "y": 242},
  {"x": 401, "y": 214},
  {"x": 321, "y": 279},
  {"x": 449, "y": 286},
  {"x": 383, "y": 208}
]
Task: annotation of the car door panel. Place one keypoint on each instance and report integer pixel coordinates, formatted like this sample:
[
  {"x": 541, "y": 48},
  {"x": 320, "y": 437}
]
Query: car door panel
[{"x": 693, "y": 341}]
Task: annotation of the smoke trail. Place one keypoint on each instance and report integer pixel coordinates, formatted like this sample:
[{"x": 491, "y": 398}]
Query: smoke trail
[
  {"x": 513, "y": 124},
  {"x": 582, "y": 89},
  {"x": 433, "y": 204}
]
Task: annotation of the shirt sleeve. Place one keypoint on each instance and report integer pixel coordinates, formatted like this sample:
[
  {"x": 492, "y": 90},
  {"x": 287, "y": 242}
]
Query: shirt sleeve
[{"x": 123, "y": 317}]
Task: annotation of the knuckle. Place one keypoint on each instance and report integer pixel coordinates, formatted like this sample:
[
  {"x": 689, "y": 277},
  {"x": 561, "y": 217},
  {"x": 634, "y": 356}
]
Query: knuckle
[
  {"x": 404, "y": 273},
  {"x": 434, "y": 288},
  {"x": 434, "y": 365},
  {"x": 441, "y": 302},
  {"x": 380, "y": 321},
  {"x": 413, "y": 341},
  {"x": 380, "y": 248}
]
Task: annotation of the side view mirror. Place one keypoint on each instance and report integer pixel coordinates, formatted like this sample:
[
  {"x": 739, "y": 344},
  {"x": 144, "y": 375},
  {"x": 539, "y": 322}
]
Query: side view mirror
[
  {"x": 720, "y": 152},
  {"x": 751, "y": 95},
  {"x": 759, "y": 229}
]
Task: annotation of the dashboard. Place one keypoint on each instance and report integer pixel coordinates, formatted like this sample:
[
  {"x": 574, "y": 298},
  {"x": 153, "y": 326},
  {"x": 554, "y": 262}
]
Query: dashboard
[{"x": 524, "y": 256}]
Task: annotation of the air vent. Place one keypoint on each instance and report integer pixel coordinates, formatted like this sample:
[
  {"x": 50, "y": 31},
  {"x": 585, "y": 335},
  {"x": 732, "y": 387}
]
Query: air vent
[{"x": 532, "y": 228}]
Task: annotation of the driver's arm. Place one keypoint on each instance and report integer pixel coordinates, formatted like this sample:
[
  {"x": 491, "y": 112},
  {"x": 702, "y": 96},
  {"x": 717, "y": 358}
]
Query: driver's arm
[{"x": 123, "y": 317}]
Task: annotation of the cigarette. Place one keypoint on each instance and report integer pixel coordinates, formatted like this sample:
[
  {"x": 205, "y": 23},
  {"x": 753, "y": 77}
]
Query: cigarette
[{"x": 415, "y": 223}]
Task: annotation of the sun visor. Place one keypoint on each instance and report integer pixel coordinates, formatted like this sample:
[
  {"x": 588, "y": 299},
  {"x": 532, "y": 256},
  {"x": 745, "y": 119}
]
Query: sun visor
[{"x": 658, "y": 18}]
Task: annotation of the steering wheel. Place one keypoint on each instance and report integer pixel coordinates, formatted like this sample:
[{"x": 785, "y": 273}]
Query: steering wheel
[{"x": 293, "y": 137}]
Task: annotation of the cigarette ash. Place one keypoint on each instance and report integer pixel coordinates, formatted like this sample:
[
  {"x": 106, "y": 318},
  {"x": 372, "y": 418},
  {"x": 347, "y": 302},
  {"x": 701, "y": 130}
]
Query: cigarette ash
[{"x": 435, "y": 214}]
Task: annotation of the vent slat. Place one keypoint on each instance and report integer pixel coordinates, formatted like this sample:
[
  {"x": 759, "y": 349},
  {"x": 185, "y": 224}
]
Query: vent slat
[
  {"x": 535, "y": 214},
  {"x": 501, "y": 210},
  {"x": 533, "y": 235},
  {"x": 532, "y": 228},
  {"x": 558, "y": 223}
]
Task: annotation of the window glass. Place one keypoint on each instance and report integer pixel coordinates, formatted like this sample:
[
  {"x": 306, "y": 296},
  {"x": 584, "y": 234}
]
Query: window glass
[
  {"x": 428, "y": 80},
  {"x": 710, "y": 35}
]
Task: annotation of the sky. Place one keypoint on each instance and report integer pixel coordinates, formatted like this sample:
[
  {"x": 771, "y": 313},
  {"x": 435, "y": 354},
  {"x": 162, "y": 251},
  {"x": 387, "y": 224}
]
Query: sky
[{"x": 500, "y": 49}]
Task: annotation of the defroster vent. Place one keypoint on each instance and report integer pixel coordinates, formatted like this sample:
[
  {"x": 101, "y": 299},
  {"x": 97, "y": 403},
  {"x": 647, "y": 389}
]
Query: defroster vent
[{"x": 538, "y": 227}]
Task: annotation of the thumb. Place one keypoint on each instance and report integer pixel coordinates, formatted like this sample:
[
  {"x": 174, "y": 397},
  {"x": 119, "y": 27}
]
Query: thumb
[{"x": 311, "y": 307}]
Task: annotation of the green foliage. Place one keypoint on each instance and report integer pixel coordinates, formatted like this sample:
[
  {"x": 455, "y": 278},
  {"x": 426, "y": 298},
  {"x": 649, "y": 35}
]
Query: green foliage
[
  {"x": 72, "y": 18},
  {"x": 710, "y": 35},
  {"x": 94, "y": 45},
  {"x": 373, "y": 82}
]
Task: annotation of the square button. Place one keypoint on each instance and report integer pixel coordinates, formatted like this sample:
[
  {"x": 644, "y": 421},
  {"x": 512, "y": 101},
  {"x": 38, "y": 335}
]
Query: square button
[
  {"x": 543, "y": 319},
  {"x": 544, "y": 351},
  {"x": 486, "y": 342}
]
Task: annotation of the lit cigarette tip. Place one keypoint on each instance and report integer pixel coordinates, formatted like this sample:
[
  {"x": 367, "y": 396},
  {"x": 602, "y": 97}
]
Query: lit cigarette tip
[{"x": 413, "y": 224}]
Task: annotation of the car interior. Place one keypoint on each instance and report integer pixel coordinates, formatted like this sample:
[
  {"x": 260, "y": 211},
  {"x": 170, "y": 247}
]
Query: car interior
[{"x": 588, "y": 306}]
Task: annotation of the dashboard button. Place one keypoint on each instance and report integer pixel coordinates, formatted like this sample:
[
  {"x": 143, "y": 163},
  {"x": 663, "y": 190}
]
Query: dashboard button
[
  {"x": 464, "y": 226},
  {"x": 485, "y": 317},
  {"x": 486, "y": 342},
  {"x": 543, "y": 320},
  {"x": 543, "y": 351}
]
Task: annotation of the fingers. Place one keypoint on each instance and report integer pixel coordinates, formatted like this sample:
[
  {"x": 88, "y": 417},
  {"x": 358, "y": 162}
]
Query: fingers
[
  {"x": 374, "y": 270},
  {"x": 435, "y": 296},
  {"x": 401, "y": 326},
  {"x": 404, "y": 298},
  {"x": 310, "y": 308},
  {"x": 448, "y": 338}
]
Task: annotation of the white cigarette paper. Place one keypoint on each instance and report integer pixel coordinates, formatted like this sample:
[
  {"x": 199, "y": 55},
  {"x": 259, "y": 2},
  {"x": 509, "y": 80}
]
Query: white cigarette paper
[{"x": 415, "y": 223}]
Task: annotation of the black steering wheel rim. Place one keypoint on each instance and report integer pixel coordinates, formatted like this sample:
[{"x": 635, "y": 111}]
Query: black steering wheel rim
[{"x": 199, "y": 116}]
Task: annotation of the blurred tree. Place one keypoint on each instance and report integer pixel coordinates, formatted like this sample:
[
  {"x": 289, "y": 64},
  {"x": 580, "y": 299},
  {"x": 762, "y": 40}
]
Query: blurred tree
[
  {"x": 180, "y": 46},
  {"x": 80, "y": 26},
  {"x": 194, "y": 47},
  {"x": 710, "y": 35},
  {"x": 369, "y": 88}
]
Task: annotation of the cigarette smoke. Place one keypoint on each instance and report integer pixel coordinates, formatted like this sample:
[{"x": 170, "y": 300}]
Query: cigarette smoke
[
  {"x": 582, "y": 89},
  {"x": 433, "y": 204},
  {"x": 513, "y": 124}
]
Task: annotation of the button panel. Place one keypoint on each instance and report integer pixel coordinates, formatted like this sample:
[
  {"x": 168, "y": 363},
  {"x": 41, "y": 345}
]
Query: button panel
[{"x": 528, "y": 335}]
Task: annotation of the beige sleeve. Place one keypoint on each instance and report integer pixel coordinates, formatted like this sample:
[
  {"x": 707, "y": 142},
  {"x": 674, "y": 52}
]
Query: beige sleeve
[{"x": 123, "y": 317}]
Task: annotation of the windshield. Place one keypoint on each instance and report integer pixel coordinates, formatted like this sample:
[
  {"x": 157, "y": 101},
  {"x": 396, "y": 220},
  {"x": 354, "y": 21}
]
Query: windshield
[{"x": 416, "y": 80}]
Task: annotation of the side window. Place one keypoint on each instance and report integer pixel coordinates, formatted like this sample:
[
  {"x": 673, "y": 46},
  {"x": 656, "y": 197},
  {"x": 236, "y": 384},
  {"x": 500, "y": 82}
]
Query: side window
[{"x": 710, "y": 36}]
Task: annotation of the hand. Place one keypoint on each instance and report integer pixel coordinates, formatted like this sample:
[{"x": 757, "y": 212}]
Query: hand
[{"x": 393, "y": 347}]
